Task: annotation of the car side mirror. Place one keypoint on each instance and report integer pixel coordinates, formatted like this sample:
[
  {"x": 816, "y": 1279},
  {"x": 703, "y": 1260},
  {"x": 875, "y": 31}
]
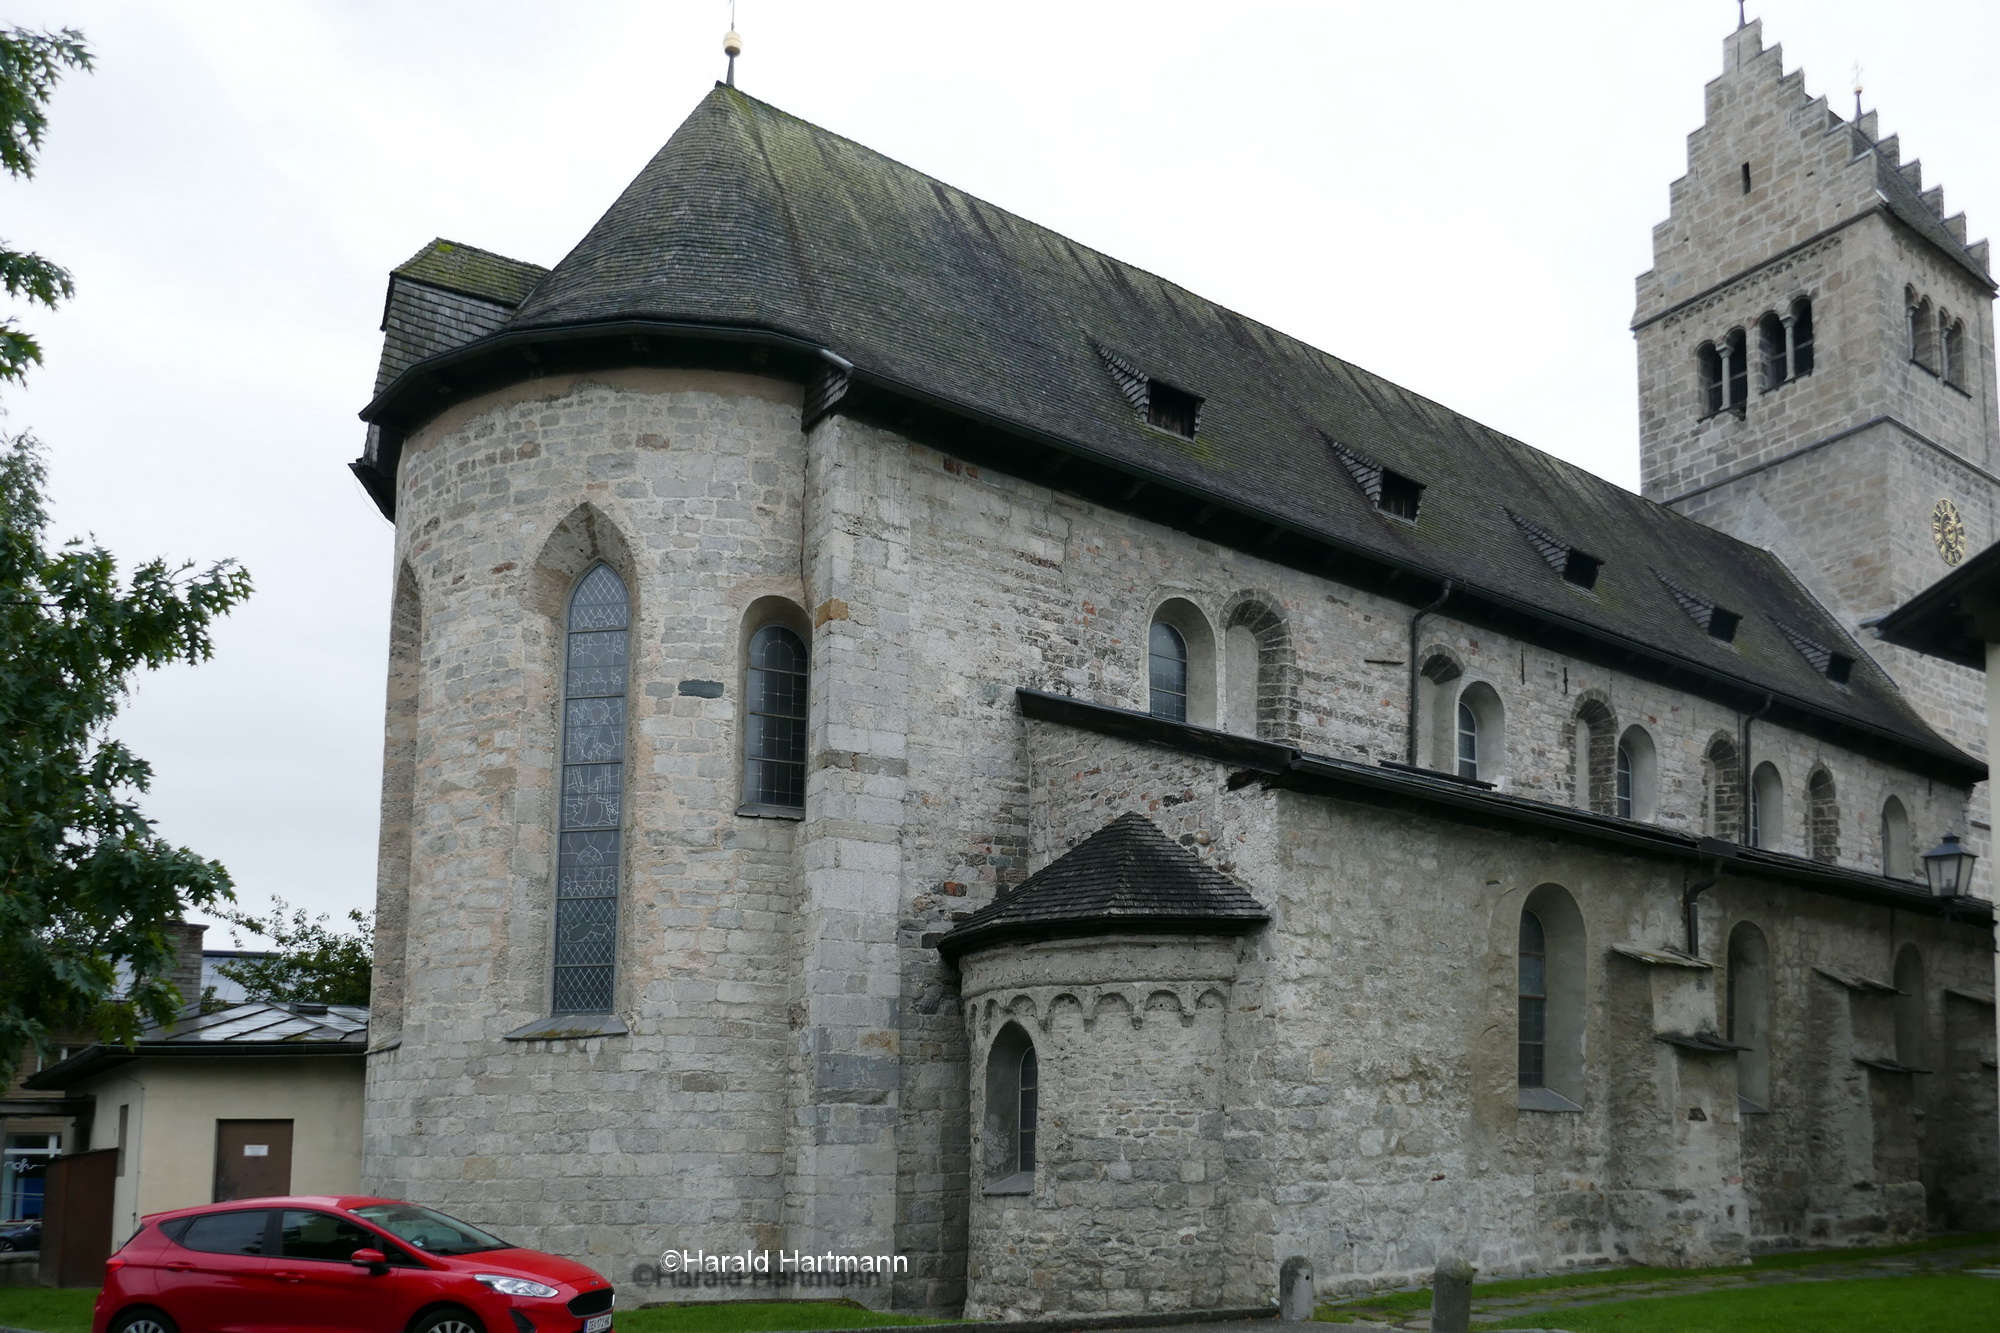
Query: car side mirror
[{"x": 374, "y": 1261}]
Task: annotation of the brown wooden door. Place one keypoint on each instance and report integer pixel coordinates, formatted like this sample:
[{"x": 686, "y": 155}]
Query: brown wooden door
[
  {"x": 253, "y": 1159},
  {"x": 76, "y": 1226}
]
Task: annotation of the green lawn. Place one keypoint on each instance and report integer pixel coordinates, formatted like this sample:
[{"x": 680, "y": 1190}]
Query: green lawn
[
  {"x": 755, "y": 1317},
  {"x": 1947, "y": 1303},
  {"x": 46, "y": 1309}
]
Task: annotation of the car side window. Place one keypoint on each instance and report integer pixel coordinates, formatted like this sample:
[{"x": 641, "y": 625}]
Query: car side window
[
  {"x": 309, "y": 1235},
  {"x": 238, "y": 1232}
]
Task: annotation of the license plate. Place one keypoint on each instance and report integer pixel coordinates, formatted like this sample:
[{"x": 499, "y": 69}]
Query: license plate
[{"x": 597, "y": 1324}]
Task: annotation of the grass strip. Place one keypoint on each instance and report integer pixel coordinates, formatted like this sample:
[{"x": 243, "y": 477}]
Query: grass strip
[
  {"x": 1385, "y": 1307},
  {"x": 757, "y": 1317},
  {"x": 47, "y": 1309},
  {"x": 1938, "y": 1303}
]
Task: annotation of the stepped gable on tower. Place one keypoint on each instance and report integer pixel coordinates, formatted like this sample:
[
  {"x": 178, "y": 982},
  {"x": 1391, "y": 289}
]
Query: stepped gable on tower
[{"x": 754, "y": 225}]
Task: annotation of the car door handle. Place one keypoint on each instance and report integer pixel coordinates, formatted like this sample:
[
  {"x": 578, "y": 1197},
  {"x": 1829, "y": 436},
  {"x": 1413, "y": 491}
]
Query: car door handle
[
  {"x": 179, "y": 1266},
  {"x": 287, "y": 1275}
]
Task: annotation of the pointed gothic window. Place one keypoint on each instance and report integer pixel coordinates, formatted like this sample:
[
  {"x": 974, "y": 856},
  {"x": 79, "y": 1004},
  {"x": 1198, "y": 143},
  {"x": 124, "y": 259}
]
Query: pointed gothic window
[
  {"x": 590, "y": 840},
  {"x": 774, "y": 732}
]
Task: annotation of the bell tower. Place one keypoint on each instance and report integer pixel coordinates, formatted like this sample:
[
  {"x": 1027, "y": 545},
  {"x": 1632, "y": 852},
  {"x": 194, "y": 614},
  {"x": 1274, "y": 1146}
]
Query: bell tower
[{"x": 1816, "y": 366}]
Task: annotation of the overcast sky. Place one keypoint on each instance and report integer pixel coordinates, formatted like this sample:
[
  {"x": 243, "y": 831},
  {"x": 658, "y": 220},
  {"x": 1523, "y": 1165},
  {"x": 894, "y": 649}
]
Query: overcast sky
[{"x": 1456, "y": 195}]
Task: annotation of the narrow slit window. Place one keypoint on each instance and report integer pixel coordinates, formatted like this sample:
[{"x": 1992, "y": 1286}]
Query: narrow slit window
[
  {"x": 1708, "y": 368},
  {"x": 1802, "y": 337},
  {"x": 1534, "y": 1000},
  {"x": 1030, "y": 1109},
  {"x": 590, "y": 842},
  {"x": 774, "y": 754},
  {"x": 1736, "y": 352},
  {"x": 1468, "y": 741},
  {"x": 1167, "y": 672},
  {"x": 1172, "y": 409},
  {"x": 1746, "y": 178}
]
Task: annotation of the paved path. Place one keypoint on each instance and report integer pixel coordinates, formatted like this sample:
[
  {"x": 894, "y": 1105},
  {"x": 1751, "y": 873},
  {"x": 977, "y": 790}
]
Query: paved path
[{"x": 1548, "y": 1306}]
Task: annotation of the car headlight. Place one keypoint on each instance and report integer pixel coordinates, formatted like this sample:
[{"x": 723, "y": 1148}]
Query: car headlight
[{"x": 516, "y": 1286}]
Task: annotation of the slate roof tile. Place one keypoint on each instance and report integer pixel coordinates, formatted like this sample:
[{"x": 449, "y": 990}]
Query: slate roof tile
[{"x": 1127, "y": 876}]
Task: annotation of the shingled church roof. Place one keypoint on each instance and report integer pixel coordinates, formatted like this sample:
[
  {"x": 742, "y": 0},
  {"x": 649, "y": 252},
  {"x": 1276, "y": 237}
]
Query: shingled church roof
[
  {"x": 753, "y": 224},
  {"x": 1126, "y": 877}
]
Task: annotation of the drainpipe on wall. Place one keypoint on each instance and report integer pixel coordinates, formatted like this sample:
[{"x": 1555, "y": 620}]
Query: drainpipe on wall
[
  {"x": 1713, "y": 850},
  {"x": 1743, "y": 792},
  {"x": 1410, "y": 748}
]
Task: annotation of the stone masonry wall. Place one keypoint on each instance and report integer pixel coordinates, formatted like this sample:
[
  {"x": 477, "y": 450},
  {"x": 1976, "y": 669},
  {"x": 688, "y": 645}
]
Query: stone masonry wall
[{"x": 797, "y": 1069}]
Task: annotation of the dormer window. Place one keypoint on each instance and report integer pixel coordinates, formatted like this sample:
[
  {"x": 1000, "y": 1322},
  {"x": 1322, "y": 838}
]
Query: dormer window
[
  {"x": 1391, "y": 492},
  {"x": 1720, "y": 622},
  {"x": 1400, "y": 496},
  {"x": 1158, "y": 403},
  {"x": 1836, "y": 667},
  {"x": 1171, "y": 409},
  {"x": 1578, "y": 568}
]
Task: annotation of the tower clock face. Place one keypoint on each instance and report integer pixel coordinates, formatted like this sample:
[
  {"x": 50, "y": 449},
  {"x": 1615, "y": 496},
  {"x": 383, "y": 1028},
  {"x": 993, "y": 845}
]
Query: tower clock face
[{"x": 1948, "y": 531}]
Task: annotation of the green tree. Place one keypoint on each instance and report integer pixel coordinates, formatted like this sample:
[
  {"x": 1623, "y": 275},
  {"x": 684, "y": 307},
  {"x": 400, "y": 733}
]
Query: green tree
[
  {"x": 86, "y": 884},
  {"x": 31, "y": 63},
  {"x": 312, "y": 961}
]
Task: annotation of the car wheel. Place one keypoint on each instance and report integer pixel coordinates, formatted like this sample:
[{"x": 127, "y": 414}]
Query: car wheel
[
  {"x": 448, "y": 1321},
  {"x": 5, "y": 1245},
  {"x": 143, "y": 1321}
]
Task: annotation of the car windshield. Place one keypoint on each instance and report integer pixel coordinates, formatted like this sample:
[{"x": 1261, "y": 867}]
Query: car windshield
[{"x": 429, "y": 1231}]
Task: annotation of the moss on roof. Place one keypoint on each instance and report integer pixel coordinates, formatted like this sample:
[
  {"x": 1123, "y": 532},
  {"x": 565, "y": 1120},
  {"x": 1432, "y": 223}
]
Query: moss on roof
[{"x": 468, "y": 269}]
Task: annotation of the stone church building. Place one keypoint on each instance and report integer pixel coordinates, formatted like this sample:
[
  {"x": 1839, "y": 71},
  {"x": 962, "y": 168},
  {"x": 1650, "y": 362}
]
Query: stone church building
[{"x": 907, "y": 735}]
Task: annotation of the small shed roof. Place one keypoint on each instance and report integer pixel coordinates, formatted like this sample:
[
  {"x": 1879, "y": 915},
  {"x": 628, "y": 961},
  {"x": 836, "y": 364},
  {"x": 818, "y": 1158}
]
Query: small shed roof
[
  {"x": 1127, "y": 876},
  {"x": 1956, "y": 617},
  {"x": 254, "y": 1028}
]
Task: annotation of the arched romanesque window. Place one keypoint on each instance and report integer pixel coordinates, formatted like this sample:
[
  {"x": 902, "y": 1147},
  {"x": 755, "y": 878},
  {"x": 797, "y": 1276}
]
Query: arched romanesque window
[
  {"x": 1481, "y": 741},
  {"x": 1708, "y": 371},
  {"x": 1802, "y": 337},
  {"x": 1767, "y": 808},
  {"x": 1749, "y": 1012},
  {"x": 1595, "y": 760},
  {"x": 1257, "y": 669},
  {"x": 1013, "y": 1111},
  {"x": 1773, "y": 361},
  {"x": 1722, "y": 790},
  {"x": 1638, "y": 776},
  {"x": 776, "y": 696},
  {"x": 1166, "y": 672},
  {"x": 1180, "y": 664},
  {"x": 1823, "y": 817},
  {"x": 1954, "y": 353},
  {"x": 590, "y": 841},
  {"x": 1897, "y": 863},
  {"x": 1923, "y": 332},
  {"x": 1550, "y": 970}
]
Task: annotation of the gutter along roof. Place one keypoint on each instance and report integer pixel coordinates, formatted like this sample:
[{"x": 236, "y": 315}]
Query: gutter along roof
[
  {"x": 1444, "y": 797},
  {"x": 756, "y": 241}
]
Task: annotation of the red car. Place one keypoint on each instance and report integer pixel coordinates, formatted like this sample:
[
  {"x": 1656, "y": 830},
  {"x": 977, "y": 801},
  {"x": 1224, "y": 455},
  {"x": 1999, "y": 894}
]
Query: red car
[{"x": 338, "y": 1265}]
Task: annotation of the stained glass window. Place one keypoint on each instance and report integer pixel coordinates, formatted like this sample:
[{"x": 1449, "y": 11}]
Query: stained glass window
[
  {"x": 590, "y": 840},
  {"x": 774, "y": 732}
]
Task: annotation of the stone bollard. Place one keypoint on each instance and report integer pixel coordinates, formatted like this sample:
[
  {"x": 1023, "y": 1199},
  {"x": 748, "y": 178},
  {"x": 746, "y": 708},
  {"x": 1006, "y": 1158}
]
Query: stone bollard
[
  {"x": 1295, "y": 1289},
  {"x": 1451, "y": 1297}
]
